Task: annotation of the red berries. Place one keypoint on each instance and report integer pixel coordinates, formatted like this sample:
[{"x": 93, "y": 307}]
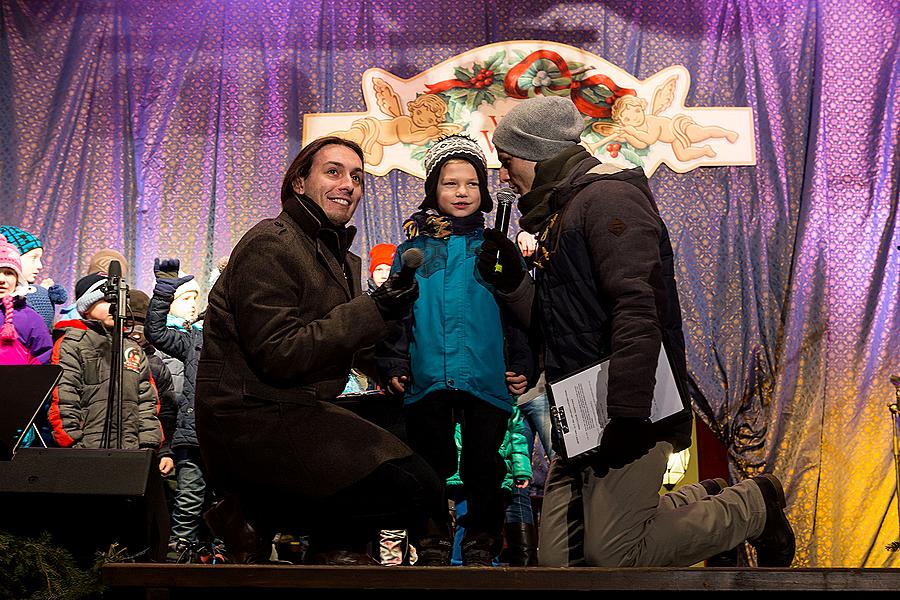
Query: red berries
[
  {"x": 484, "y": 78},
  {"x": 613, "y": 149}
]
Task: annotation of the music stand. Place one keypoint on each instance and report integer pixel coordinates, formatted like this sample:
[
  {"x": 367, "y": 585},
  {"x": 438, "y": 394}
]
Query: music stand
[{"x": 25, "y": 388}]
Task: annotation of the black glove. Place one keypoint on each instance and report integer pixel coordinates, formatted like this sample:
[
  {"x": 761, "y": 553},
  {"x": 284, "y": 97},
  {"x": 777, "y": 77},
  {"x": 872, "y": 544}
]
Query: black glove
[
  {"x": 167, "y": 279},
  {"x": 394, "y": 297},
  {"x": 625, "y": 439},
  {"x": 499, "y": 252}
]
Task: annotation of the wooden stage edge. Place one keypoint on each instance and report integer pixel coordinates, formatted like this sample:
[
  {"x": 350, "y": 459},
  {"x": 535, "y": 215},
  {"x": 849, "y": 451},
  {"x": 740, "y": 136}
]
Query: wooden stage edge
[{"x": 261, "y": 578}]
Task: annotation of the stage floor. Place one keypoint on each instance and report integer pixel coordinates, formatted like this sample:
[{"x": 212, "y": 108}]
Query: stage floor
[{"x": 161, "y": 581}]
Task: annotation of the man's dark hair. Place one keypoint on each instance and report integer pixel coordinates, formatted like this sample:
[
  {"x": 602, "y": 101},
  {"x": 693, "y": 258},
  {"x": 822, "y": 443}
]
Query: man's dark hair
[{"x": 302, "y": 164}]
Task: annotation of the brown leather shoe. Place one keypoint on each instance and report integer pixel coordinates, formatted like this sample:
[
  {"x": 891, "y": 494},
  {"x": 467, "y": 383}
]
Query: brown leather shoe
[
  {"x": 775, "y": 546},
  {"x": 344, "y": 558},
  {"x": 227, "y": 521}
]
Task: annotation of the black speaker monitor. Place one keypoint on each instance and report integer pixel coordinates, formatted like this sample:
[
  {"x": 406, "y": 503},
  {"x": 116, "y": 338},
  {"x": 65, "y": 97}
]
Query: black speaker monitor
[{"x": 87, "y": 500}]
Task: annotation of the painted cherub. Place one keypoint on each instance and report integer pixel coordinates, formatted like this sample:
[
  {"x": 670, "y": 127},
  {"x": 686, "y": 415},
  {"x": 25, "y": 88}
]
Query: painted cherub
[
  {"x": 633, "y": 125},
  {"x": 425, "y": 122}
]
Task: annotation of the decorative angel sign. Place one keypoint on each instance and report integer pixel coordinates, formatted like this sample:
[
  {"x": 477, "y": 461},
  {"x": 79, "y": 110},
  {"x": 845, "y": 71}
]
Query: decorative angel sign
[
  {"x": 426, "y": 122},
  {"x": 633, "y": 125},
  {"x": 473, "y": 91}
]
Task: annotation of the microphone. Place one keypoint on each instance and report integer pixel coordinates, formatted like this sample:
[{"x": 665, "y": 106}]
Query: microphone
[
  {"x": 113, "y": 275},
  {"x": 506, "y": 197},
  {"x": 412, "y": 259}
]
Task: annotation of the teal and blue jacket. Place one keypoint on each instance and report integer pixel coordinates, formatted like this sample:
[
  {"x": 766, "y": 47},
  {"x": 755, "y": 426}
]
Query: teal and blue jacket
[{"x": 455, "y": 337}]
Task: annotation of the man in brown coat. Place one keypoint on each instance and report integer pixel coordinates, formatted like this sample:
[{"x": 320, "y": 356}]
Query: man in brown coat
[{"x": 285, "y": 323}]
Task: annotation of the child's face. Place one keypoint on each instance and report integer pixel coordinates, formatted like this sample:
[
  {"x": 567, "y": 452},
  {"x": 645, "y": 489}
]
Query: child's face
[
  {"x": 8, "y": 281},
  {"x": 99, "y": 311},
  {"x": 458, "y": 194},
  {"x": 185, "y": 306},
  {"x": 31, "y": 264},
  {"x": 380, "y": 274}
]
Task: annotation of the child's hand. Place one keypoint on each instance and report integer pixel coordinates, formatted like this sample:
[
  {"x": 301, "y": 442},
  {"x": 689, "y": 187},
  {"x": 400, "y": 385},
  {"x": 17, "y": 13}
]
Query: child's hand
[
  {"x": 398, "y": 384},
  {"x": 496, "y": 250},
  {"x": 166, "y": 268},
  {"x": 517, "y": 384},
  {"x": 166, "y": 465},
  {"x": 527, "y": 243}
]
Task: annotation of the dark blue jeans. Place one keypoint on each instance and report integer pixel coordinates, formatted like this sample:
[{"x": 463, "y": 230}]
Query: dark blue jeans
[{"x": 190, "y": 494}]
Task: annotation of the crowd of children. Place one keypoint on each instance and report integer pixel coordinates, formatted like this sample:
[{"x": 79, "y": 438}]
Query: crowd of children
[{"x": 457, "y": 361}]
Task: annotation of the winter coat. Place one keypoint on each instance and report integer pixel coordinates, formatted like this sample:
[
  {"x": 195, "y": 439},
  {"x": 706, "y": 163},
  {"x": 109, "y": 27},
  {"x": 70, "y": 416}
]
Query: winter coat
[
  {"x": 34, "y": 343},
  {"x": 181, "y": 345},
  {"x": 78, "y": 408},
  {"x": 608, "y": 290},
  {"x": 168, "y": 407},
  {"x": 514, "y": 451},
  {"x": 285, "y": 323},
  {"x": 455, "y": 338}
]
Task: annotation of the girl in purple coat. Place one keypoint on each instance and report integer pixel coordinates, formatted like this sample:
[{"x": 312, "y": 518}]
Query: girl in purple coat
[{"x": 24, "y": 338}]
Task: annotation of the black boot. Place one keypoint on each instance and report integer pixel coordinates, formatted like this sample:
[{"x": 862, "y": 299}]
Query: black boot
[
  {"x": 434, "y": 547},
  {"x": 775, "y": 546},
  {"x": 243, "y": 542},
  {"x": 479, "y": 550},
  {"x": 521, "y": 544}
]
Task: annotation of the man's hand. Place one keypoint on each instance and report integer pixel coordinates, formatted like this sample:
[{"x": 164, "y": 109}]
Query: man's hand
[
  {"x": 522, "y": 483},
  {"x": 394, "y": 297},
  {"x": 397, "y": 385},
  {"x": 166, "y": 465},
  {"x": 527, "y": 243},
  {"x": 167, "y": 279},
  {"x": 625, "y": 439},
  {"x": 516, "y": 384},
  {"x": 499, "y": 261}
]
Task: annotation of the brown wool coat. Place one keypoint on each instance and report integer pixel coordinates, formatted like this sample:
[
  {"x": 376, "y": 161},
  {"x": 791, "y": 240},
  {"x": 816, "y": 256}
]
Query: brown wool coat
[{"x": 282, "y": 330}]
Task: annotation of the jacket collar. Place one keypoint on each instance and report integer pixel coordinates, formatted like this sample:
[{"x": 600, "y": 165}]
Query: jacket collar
[
  {"x": 332, "y": 243},
  {"x": 535, "y": 205},
  {"x": 313, "y": 221}
]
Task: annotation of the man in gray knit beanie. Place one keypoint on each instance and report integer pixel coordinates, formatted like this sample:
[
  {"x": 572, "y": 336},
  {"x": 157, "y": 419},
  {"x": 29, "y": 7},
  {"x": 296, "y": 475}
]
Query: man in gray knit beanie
[
  {"x": 539, "y": 128},
  {"x": 604, "y": 289}
]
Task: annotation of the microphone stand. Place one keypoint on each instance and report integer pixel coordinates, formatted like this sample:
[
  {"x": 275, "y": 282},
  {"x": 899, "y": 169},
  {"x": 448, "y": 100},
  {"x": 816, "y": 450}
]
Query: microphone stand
[
  {"x": 894, "y": 408},
  {"x": 118, "y": 297}
]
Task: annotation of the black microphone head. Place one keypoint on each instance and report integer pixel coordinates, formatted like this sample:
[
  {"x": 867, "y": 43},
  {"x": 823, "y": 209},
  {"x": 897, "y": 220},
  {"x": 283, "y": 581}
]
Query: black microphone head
[
  {"x": 412, "y": 258},
  {"x": 114, "y": 271},
  {"x": 505, "y": 196}
]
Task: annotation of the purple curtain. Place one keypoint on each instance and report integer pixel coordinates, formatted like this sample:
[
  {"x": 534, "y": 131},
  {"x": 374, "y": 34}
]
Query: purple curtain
[{"x": 163, "y": 128}]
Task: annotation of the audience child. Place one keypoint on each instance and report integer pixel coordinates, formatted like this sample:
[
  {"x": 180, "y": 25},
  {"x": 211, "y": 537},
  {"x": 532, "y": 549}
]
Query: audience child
[
  {"x": 43, "y": 298},
  {"x": 83, "y": 349}
]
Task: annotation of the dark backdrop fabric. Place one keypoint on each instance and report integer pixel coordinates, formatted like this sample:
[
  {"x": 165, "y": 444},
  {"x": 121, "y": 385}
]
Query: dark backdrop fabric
[{"x": 163, "y": 128}]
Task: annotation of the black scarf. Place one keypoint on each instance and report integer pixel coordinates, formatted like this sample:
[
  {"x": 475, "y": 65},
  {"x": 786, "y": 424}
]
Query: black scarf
[
  {"x": 433, "y": 224},
  {"x": 535, "y": 205}
]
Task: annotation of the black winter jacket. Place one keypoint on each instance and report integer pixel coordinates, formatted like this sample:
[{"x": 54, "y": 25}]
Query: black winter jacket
[
  {"x": 184, "y": 346},
  {"x": 607, "y": 289}
]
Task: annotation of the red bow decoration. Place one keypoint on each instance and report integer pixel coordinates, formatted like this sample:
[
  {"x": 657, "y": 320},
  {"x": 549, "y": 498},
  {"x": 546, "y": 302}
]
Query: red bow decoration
[{"x": 511, "y": 84}]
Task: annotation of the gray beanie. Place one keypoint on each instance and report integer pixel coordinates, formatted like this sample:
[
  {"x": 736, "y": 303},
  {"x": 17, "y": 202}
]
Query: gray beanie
[
  {"x": 539, "y": 128},
  {"x": 89, "y": 291}
]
